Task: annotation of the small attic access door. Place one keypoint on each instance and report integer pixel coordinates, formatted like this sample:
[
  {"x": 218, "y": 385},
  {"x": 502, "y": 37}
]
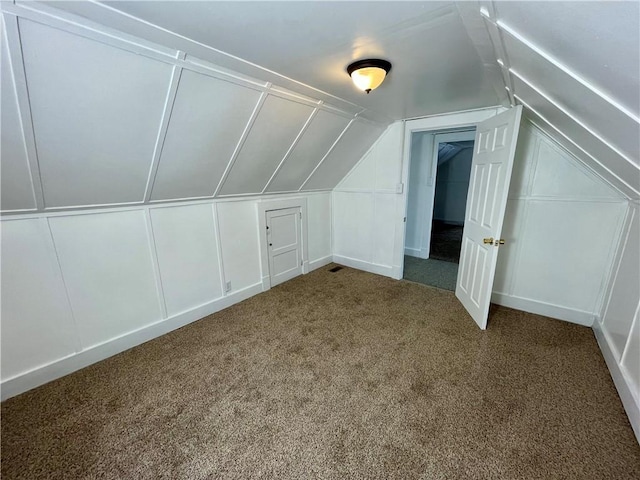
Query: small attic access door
[
  {"x": 491, "y": 167},
  {"x": 284, "y": 244}
]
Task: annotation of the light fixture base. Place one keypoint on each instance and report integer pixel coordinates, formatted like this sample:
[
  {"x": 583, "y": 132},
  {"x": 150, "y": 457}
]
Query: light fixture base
[
  {"x": 368, "y": 74},
  {"x": 370, "y": 62}
]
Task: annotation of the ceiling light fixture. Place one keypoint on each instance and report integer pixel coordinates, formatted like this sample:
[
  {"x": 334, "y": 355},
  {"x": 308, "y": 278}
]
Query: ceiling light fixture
[{"x": 368, "y": 74}]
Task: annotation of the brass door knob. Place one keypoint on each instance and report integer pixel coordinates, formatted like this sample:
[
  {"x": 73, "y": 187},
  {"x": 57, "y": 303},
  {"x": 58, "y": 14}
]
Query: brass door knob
[{"x": 488, "y": 240}]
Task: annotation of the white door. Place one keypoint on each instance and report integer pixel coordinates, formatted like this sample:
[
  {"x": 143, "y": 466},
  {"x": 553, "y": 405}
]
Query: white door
[
  {"x": 491, "y": 167},
  {"x": 284, "y": 244}
]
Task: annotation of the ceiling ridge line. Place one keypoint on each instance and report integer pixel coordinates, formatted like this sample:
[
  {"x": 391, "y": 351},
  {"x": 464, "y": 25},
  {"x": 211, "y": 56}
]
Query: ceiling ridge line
[
  {"x": 532, "y": 46},
  {"x": 499, "y": 48},
  {"x": 478, "y": 33}
]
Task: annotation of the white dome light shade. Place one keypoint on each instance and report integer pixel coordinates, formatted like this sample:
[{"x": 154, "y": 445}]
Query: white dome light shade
[{"x": 367, "y": 75}]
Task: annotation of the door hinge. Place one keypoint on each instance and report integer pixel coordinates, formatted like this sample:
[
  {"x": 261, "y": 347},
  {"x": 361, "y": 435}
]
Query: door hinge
[
  {"x": 300, "y": 215},
  {"x": 404, "y": 219}
]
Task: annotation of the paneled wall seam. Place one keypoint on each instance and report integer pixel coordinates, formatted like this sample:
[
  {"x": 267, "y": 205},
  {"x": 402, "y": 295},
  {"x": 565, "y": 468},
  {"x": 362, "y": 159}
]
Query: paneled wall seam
[
  {"x": 611, "y": 260},
  {"x": 172, "y": 92},
  {"x": 89, "y": 210},
  {"x": 209, "y": 70},
  {"x": 511, "y": 286},
  {"x": 326, "y": 154},
  {"x": 623, "y": 356},
  {"x": 615, "y": 270},
  {"x": 16, "y": 60},
  {"x": 243, "y": 138},
  {"x": 216, "y": 226},
  {"x": 291, "y": 148},
  {"x": 153, "y": 251},
  {"x": 622, "y": 181},
  {"x": 76, "y": 328}
]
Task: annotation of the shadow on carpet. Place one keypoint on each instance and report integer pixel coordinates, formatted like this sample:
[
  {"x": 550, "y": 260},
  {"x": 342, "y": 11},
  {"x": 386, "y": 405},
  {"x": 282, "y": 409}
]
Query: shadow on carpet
[{"x": 446, "y": 241}]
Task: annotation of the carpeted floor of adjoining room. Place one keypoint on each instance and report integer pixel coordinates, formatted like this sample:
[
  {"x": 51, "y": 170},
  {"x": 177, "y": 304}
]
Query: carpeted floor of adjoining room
[
  {"x": 428, "y": 271},
  {"x": 344, "y": 375}
]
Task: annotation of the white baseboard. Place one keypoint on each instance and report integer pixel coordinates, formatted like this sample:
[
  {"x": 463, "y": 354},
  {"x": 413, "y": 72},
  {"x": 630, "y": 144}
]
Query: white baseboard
[
  {"x": 319, "y": 263},
  {"x": 417, "y": 252},
  {"x": 266, "y": 283},
  {"x": 630, "y": 404},
  {"x": 386, "y": 270},
  {"x": 64, "y": 366},
  {"x": 541, "y": 308}
]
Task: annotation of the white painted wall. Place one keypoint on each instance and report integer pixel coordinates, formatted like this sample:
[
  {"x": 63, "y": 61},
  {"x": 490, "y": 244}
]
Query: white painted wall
[
  {"x": 554, "y": 204},
  {"x": 420, "y": 194},
  {"x": 562, "y": 226},
  {"x": 365, "y": 204},
  {"x": 618, "y": 328},
  {"x": 452, "y": 183},
  {"x": 80, "y": 286}
]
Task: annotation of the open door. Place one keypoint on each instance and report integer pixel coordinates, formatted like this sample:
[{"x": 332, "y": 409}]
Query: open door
[{"x": 491, "y": 168}]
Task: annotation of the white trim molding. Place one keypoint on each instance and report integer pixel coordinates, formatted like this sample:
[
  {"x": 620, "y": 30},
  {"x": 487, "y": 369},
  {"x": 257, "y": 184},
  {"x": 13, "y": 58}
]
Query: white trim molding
[
  {"x": 620, "y": 380},
  {"x": 59, "y": 368}
]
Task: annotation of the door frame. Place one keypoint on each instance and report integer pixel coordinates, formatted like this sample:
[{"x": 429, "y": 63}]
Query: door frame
[
  {"x": 461, "y": 120},
  {"x": 427, "y": 217},
  {"x": 264, "y": 205}
]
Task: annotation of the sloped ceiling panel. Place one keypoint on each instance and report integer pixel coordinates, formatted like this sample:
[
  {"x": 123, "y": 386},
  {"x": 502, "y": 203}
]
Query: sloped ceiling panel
[
  {"x": 626, "y": 171},
  {"x": 604, "y": 118},
  {"x": 207, "y": 121},
  {"x": 314, "y": 144},
  {"x": 272, "y": 134},
  {"x": 436, "y": 67},
  {"x": 353, "y": 144},
  {"x": 576, "y": 66},
  {"x": 16, "y": 189},
  {"x": 96, "y": 111},
  {"x": 599, "y": 40}
]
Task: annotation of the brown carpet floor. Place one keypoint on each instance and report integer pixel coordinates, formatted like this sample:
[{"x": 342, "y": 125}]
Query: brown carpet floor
[{"x": 334, "y": 376}]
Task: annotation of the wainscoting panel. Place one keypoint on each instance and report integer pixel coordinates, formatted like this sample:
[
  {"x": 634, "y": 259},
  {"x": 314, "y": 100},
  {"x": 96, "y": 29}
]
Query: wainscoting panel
[{"x": 187, "y": 247}]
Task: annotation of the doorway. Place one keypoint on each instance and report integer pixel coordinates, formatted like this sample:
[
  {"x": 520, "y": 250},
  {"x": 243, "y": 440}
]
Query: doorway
[{"x": 439, "y": 169}]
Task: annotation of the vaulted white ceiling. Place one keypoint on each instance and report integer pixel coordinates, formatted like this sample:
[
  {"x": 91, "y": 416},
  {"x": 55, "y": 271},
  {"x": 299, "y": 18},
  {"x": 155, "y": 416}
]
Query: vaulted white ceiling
[{"x": 134, "y": 102}]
